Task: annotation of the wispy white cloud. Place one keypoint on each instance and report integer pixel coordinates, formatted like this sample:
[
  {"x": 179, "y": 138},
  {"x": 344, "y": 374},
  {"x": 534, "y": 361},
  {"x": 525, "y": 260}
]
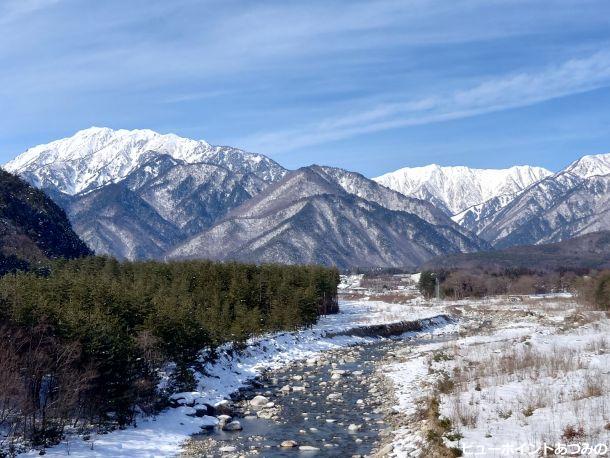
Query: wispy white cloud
[
  {"x": 12, "y": 10},
  {"x": 227, "y": 69},
  {"x": 114, "y": 44},
  {"x": 511, "y": 91}
]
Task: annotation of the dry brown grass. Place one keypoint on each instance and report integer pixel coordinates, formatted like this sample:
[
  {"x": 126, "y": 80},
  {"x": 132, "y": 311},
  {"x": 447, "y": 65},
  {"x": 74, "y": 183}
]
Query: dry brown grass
[
  {"x": 390, "y": 298},
  {"x": 435, "y": 428},
  {"x": 395, "y": 298},
  {"x": 516, "y": 363},
  {"x": 594, "y": 385},
  {"x": 352, "y": 296}
]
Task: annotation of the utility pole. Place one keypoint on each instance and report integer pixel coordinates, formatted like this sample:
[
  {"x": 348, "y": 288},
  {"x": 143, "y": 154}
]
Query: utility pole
[{"x": 437, "y": 288}]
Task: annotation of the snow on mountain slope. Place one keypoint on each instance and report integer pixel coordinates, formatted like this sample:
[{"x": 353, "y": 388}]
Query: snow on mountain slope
[
  {"x": 589, "y": 166},
  {"x": 157, "y": 205},
  {"x": 455, "y": 189},
  {"x": 311, "y": 216},
  {"x": 574, "y": 201},
  {"x": 98, "y": 156},
  {"x": 134, "y": 194},
  {"x": 475, "y": 218}
]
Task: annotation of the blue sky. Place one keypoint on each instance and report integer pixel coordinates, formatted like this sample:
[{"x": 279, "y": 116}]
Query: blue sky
[{"x": 366, "y": 85}]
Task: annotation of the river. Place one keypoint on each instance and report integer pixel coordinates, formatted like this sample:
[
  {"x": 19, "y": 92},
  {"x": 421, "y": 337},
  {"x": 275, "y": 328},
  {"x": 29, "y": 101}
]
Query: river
[{"x": 338, "y": 404}]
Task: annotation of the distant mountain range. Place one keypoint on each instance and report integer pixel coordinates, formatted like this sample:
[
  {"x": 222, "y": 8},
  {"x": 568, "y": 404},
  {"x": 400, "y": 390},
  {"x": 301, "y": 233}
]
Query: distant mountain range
[
  {"x": 573, "y": 202},
  {"x": 457, "y": 189},
  {"x": 139, "y": 195},
  {"x": 517, "y": 206}
]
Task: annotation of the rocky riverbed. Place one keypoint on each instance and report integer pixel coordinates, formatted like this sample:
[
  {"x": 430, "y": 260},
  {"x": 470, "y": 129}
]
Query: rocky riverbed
[{"x": 336, "y": 404}]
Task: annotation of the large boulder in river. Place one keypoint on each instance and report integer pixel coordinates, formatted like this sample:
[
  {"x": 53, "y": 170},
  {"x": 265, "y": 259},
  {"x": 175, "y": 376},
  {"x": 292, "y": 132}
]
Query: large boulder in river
[
  {"x": 223, "y": 420},
  {"x": 259, "y": 401},
  {"x": 224, "y": 407}
]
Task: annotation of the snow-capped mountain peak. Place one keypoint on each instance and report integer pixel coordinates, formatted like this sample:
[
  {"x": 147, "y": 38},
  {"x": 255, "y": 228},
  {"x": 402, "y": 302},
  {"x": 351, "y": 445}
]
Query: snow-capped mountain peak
[
  {"x": 589, "y": 166},
  {"x": 457, "y": 188},
  {"x": 97, "y": 156}
]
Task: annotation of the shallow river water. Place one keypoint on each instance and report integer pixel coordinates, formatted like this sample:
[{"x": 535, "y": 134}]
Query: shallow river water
[{"x": 317, "y": 412}]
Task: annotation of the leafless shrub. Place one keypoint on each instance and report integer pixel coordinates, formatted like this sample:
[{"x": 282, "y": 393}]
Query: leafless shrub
[
  {"x": 572, "y": 433},
  {"x": 523, "y": 362},
  {"x": 504, "y": 414},
  {"x": 528, "y": 411},
  {"x": 40, "y": 387},
  {"x": 598, "y": 346}
]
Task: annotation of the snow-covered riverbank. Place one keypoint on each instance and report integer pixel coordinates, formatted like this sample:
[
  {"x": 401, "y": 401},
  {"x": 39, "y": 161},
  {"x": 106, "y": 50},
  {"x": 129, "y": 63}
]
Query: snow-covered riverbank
[
  {"x": 165, "y": 434},
  {"x": 519, "y": 377}
]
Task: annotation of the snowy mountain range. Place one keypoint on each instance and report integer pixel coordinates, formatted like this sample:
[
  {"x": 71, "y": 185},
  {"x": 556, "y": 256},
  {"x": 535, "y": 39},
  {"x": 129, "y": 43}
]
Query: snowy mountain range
[
  {"x": 456, "y": 189},
  {"x": 95, "y": 157},
  {"x": 521, "y": 205},
  {"x": 140, "y": 194},
  {"x": 135, "y": 194},
  {"x": 573, "y": 202}
]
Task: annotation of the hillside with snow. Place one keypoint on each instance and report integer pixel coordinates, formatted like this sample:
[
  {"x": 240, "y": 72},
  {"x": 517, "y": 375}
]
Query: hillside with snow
[{"x": 330, "y": 216}]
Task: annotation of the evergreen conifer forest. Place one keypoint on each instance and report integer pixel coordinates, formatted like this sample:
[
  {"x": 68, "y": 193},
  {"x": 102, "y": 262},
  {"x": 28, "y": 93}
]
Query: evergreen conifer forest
[{"x": 83, "y": 342}]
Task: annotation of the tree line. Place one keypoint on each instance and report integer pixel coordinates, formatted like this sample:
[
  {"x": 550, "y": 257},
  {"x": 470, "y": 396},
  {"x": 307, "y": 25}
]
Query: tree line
[
  {"x": 84, "y": 341},
  {"x": 591, "y": 287},
  {"x": 594, "y": 290}
]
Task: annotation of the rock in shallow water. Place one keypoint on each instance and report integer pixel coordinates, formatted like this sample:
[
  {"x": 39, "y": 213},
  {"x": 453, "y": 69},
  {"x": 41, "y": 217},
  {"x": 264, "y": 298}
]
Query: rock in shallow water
[
  {"x": 289, "y": 444},
  {"x": 232, "y": 426}
]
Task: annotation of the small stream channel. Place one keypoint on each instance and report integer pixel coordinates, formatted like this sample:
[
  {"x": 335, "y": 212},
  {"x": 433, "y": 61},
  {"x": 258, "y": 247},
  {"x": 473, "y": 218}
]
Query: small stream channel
[{"x": 317, "y": 411}]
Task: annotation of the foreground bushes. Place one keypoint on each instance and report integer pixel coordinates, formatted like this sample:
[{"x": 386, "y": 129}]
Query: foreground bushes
[{"x": 84, "y": 342}]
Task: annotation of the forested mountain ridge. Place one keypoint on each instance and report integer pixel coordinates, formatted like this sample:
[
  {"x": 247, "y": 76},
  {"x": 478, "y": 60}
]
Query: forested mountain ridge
[
  {"x": 330, "y": 216},
  {"x": 580, "y": 254},
  {"x": 32, "y": 227}
]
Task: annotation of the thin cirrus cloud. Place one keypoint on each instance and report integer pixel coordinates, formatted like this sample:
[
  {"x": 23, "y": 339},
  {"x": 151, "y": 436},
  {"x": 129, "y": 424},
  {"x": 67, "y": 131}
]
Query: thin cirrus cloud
[
  {"x": 276, "y": 76},
  {"x": 512, "y": 91},
  {"x": 11, "y": 10}
]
